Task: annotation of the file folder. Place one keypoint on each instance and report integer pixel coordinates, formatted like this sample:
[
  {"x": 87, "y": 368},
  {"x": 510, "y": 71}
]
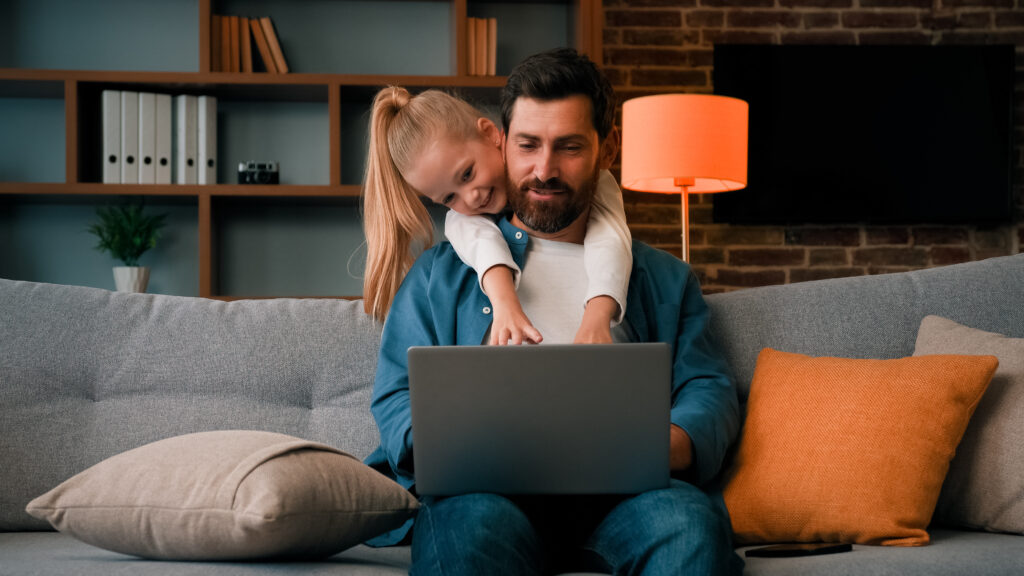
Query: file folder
[
  {"x": 186, "y": 135},
  {"x": 164, "y": 138},
  {"x": 147, "y": 138},
  {"x": 111, "y": 103},
  {"x": 129, "y": 137},
  {"x": 207, "y": 139}
]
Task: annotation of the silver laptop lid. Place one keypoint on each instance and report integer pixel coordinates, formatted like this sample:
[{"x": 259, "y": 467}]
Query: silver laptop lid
[{"x": 551, "y": 419}]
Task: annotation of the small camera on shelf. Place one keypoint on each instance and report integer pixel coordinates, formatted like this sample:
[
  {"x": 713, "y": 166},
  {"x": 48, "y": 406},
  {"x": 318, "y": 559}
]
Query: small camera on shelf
[{"x": 258, "y": 173}]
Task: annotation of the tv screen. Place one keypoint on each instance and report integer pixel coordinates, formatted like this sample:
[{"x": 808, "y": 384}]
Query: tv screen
[{"x": 873, "y": 134}]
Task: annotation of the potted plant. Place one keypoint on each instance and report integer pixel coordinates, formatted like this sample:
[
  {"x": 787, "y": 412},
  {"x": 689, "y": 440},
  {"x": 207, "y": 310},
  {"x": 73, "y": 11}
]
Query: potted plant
[{"x": 126, "y": 234}]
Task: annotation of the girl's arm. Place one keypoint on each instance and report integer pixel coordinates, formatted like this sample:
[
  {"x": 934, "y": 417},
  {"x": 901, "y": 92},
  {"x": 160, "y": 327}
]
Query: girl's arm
[
  {"x": 479, "y": 243},
  {"x": 608, "y": 260}
]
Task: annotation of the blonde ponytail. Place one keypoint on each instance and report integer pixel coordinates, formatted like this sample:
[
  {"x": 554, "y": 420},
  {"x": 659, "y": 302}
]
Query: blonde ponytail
[
  {"x": 394, "y": 218},
  {"x": 397, "y": 224}
]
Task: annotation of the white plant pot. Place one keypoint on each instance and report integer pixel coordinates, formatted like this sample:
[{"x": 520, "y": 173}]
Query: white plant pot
[{"x": 131, "y": 278}]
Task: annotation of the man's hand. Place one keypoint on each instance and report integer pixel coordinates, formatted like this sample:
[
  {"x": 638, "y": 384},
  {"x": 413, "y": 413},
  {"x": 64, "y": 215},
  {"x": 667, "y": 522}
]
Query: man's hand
[
  {"x": 595, "y": 328},
  {"x": 680, "y": 449}
]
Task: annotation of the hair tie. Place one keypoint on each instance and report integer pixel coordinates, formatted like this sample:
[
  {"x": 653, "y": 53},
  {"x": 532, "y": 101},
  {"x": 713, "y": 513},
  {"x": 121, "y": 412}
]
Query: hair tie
[{"x": 399, "y": 97}]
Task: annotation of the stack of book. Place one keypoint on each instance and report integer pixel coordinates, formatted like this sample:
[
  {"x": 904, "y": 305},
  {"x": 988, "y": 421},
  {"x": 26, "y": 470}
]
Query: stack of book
[
  {"x": 231, "y": 44},
  {"x": 158, "y": 138},
  {"x": 482, "y": 46}
]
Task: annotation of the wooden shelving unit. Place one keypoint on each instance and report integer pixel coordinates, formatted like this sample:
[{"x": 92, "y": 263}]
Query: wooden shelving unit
[{"x": 80, "y": 91}]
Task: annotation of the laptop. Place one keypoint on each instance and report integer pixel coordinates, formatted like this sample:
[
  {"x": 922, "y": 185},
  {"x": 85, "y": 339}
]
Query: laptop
[{"x": 549, "y": 419}]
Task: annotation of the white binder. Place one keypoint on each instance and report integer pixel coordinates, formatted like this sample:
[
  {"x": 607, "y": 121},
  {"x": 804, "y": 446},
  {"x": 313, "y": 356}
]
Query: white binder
[
  {"x": 111, "y": 136},
  {"x": 164, "y": 138},
  {"x": 147, "y": 138},
  {"x": 129, "y": 137},
  {"x": 207, "y": 120},
  {"x": 186, "y": 136}
]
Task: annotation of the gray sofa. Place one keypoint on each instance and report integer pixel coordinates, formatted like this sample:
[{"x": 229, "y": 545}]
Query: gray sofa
[{"x": 87, "y": 373}]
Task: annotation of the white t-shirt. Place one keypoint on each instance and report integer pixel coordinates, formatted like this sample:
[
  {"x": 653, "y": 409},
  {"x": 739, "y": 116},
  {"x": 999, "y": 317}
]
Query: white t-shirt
[
  {"x": 607, "y": 248},
  {"x": 551, "y": 285}
]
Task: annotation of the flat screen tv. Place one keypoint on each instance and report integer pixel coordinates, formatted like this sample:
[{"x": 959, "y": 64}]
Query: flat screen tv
[{"x": 872, "y": 134}]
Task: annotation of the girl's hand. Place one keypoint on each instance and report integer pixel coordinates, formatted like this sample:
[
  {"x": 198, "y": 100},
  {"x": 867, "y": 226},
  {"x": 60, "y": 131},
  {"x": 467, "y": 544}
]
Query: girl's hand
[
  {"x": 511, "y": 326},
  {"x": 595, "y": 328}
]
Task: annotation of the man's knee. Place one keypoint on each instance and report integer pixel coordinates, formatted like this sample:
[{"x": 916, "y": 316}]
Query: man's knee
[
  {"x": 662, "y": 530},
  {"x": 681, "y": 507},
  {"x": 473, "y": 534},
  {"x": 472, "y": 511}
]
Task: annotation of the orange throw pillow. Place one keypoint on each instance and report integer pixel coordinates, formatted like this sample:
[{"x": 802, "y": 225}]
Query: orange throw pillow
[{"x": 847, "y": 450}]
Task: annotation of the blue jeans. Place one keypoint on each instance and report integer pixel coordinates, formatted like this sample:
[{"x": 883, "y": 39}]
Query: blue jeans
[{"x": 677, "y": 530}]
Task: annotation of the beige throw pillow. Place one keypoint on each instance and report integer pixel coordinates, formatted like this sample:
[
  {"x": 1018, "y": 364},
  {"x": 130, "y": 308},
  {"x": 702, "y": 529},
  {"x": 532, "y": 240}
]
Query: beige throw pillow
[
  {"x": 227, "y": 495},
  {"x": 985, "y": 485}
]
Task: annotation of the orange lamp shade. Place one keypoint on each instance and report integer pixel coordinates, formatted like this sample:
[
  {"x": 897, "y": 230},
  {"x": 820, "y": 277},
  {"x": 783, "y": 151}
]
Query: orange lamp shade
[{"x": 694, "y": 140}]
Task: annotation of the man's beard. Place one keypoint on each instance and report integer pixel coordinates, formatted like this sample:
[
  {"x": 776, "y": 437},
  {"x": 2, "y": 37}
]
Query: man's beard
[{"x": 554, "y": 216}]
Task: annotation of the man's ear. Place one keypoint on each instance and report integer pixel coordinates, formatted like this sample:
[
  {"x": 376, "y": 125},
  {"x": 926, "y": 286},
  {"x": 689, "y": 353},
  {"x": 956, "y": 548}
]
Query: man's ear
[
  {"x": 609, "y": 149},
  {"x": 489, "y": 131}
]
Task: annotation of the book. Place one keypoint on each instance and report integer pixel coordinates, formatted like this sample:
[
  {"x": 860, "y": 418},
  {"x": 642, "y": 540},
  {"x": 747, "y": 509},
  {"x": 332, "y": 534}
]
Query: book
[
  {"x": 492, "y": 46},
  {"x": 245, "y": 41},
  {"x": 471, "y": 46},
  {"x": 235, "y": 56},
  {"x": 481, "y": 46},
  {"x": 215, "y": 43},
  {"x": 262, "y": 46},
  {"x": 275, "y": 46},
  {"x": 225, "y": 44}
]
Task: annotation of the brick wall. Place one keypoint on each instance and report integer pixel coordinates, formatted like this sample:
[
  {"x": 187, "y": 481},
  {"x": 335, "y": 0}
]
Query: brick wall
[{"x": 657, "y": 46}]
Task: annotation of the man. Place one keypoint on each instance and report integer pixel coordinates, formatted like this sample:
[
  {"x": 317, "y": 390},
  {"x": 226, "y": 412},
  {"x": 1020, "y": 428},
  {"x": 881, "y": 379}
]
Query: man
[{"x": 557, "y": 111}]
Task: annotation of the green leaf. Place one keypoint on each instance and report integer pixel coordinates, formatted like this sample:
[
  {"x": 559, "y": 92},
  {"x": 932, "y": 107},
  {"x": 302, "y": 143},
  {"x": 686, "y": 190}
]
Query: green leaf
[{"x": 125, "y": 232}]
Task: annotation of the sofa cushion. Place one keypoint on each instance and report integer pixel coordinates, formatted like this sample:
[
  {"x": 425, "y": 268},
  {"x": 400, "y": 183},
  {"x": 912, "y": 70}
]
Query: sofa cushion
[
  {"x": 849, "y": 450},
  {"x": 985, "y": 485},
  {"x": 56, "y": 554},
  {"x": 227, "y": 495}
]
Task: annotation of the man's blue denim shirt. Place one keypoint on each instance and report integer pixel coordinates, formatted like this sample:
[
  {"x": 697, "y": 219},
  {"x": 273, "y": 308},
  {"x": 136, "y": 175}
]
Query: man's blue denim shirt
[{"x": 441, "y": 303}]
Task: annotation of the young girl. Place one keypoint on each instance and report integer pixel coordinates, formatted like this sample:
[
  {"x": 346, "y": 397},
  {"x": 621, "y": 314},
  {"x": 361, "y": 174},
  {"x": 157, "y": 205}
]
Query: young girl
[{"x": 439, "y": 146}]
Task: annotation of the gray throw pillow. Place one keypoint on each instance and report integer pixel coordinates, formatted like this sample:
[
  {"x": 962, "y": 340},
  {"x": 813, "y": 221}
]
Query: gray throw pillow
[
  {"x": 227, "y": 495},
  {"x": 984, "y": 488}
]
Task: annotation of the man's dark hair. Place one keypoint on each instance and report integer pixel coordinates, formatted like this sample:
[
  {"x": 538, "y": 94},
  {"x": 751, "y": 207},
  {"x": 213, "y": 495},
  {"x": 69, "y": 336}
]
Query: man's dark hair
[{"x": 558, "y": 74}]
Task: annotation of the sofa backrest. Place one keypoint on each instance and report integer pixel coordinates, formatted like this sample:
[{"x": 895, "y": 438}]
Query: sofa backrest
[
  {"x": 86, "y": 374},
  {"x": 866, "y": 316}
]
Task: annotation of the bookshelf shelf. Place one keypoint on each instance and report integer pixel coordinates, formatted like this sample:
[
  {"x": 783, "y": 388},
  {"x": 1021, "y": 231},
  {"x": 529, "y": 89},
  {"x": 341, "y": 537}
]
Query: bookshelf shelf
[
  {"x": 212, "y": 190},
  {"x": 312, "y": 119}
]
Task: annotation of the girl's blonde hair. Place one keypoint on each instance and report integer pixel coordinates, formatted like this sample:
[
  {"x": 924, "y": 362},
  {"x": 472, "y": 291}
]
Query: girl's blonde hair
[{"x": 395, "y": 221}]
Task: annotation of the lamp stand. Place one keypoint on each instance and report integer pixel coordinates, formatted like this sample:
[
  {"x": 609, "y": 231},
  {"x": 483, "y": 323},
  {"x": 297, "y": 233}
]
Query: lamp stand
[{"x": 684, "y": 185}]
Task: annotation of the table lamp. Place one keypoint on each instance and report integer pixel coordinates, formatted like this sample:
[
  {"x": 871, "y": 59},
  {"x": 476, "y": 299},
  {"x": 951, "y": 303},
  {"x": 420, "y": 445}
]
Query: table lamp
[{"x": 684, "y": 144}]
